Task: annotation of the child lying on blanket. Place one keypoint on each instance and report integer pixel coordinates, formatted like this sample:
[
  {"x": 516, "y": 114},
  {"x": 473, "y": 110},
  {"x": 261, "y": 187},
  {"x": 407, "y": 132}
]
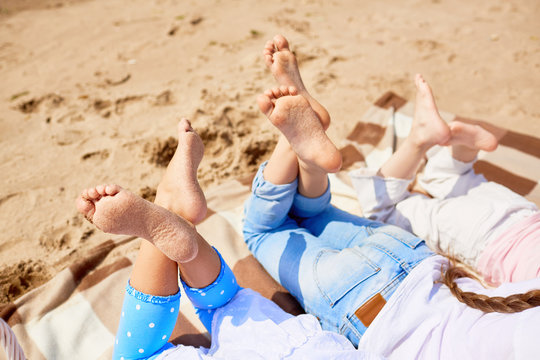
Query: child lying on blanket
[
  {"x": 484, "y": 224},
  {"x": 242, "y": 323},
  {"x": 377, "y": 284}
]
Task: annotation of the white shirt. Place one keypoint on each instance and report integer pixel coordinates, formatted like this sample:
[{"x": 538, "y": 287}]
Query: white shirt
[
  {"x": 253, "y": 327},
  {"x": 423, "y": 320}
]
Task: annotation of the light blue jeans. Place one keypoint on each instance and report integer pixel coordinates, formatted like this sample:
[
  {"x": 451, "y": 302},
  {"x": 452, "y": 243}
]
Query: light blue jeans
[{"x": 331, "y": 261}]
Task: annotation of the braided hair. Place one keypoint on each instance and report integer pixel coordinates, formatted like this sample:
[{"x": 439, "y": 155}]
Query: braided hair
[{"x": 510, "y": 304}]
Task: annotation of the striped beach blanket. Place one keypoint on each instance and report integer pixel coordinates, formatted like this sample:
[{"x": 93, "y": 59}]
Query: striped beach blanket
[{"x": 75, "y": 314}]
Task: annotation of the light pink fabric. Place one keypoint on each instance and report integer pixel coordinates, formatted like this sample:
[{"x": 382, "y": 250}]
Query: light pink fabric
[{"x": 514, "y": 255}]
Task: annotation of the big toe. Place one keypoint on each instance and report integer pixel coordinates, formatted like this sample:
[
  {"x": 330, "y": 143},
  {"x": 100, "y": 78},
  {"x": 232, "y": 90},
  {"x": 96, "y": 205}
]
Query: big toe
[
  {"x": 281, "y": 43},
  {"x": 184, "y": 126},
  {"x": 422, "y": 87},
  {"x": 265, "y": 104},
  {"x": 85, "y": 207}
]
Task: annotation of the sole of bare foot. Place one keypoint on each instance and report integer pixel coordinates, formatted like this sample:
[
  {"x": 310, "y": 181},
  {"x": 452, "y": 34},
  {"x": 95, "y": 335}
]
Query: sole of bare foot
[
  {"x": 472, "y": 136},
  {"x": 283, "y": 65},
  {"x": 179, "y": 189},
  {"x": 115, "y": 210},
  {"x": 298, "y": 122},
  {"x": 428, "y": 128}
]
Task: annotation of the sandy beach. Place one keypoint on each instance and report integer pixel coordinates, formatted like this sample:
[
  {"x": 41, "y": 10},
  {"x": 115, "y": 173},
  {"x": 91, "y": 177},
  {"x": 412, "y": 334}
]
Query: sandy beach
[{"x": 91, "y": 91}]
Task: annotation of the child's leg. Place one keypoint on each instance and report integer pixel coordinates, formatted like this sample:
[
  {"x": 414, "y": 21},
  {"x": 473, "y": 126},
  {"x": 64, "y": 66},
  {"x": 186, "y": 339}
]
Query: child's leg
[
  {"x": 180, "y": 192},
  {"x": 294, "y": 117},
  {"x": 283, "y": 65},
  {"x": 153, "y": 287},
  {"x": 381, "y": 193},
  {"x": 148, "y": 319},
  {"x": 444, "y": 176},
  {"x": 428, "y": 129},
  {"x": 449, "y": 171},
  {"x": 149, "y": 313}
]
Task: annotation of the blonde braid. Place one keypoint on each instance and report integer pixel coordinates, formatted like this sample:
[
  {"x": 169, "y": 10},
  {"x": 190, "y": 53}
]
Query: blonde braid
[{"x": 510, "y": 304}]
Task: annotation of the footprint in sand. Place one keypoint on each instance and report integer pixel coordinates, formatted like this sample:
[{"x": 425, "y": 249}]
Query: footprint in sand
[
  {"x": 51, "y": 100},
  {"x": 99, "y": 155},
  {"x": 19, "y": 278},
  {"x": 160, "y": 152}
]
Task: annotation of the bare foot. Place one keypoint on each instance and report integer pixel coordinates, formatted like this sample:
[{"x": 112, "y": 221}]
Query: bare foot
[
  {"x": 282, "y": 63},
  {"x": 468, "y": 139},
  {"x": 117, "y": 211},
  {"x": 179, "y": 189},
  {"x": 428, "y": 128},
  {"x": 300, "y": 124}
]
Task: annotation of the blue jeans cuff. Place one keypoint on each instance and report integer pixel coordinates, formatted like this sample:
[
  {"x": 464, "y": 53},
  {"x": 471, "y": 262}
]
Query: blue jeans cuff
[
  {"x": 305, "y": 207},
  {"x": 266, "y": 190}
]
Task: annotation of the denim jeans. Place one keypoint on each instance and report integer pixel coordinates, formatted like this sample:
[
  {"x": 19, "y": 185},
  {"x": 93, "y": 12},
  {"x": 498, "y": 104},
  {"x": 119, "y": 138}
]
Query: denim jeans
[{"x": 331, "y": 261}]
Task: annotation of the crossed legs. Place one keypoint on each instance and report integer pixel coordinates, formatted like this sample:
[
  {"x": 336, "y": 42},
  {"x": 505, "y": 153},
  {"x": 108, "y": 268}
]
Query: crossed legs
[
  {"x": 159, "y": 258},
  {"x": 429, "y": 129},
  {"x": 303, "y": 150},
  {"x": 171, "y": 244}
]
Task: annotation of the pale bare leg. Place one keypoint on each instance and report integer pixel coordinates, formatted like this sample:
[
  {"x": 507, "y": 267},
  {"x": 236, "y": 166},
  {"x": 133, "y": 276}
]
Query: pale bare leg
[
  {"x": 180, "y": 192},
  {"x": 283, "y": 65},
  {"x": 179, "y": 189},
  {"x": 294, "y": 117},
  {"x": 428, "y": 129},
  {"x": 468, "y": 139}
]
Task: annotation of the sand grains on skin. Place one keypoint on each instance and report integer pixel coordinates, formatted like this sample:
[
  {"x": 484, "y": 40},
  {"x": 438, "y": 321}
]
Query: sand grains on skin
[
  {"x": 115, "y": 210},
  {"x": 282, "y": 63},
  {"x": 180, "y": 178},
  {"x": 298, "y": 122}
]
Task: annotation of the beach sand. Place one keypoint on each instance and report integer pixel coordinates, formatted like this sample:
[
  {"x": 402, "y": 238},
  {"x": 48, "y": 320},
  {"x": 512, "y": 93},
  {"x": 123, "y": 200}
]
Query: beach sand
[{"x": 91, "y": 91}]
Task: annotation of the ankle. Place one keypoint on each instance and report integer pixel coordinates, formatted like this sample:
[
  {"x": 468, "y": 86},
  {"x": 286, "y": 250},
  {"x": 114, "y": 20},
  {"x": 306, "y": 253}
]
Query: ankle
[{"x": 417, "y": 144}]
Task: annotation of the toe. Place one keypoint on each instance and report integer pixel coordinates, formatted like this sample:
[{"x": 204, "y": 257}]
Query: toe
[
  {"x": 268, "y": 60},
  {"x": 276, "y": 92},
  {"x": 84, "y": 194},
  {"x": 85, "y": 207},
  {"x": 281, "y": 43},
  {"x": 269, "y": 47},
  {"x": 184, "y": 125},
  {"x": 93, "y": 194},
  {"x": 101, "y": 190},
  {"x": 112, "y": 189},
  {"x": 265, "y": 104}
]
